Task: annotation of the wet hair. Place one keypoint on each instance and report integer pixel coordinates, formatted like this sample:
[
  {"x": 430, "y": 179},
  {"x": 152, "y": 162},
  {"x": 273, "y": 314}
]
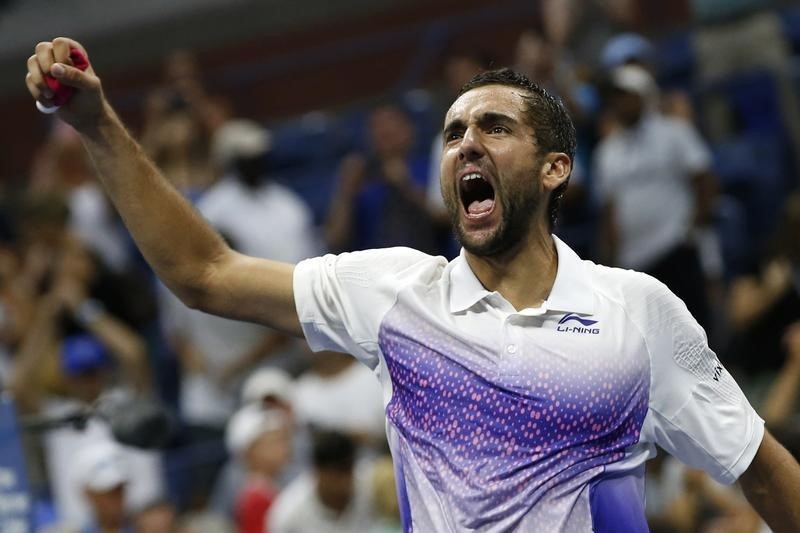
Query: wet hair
[{"x": 553, "y": 129}]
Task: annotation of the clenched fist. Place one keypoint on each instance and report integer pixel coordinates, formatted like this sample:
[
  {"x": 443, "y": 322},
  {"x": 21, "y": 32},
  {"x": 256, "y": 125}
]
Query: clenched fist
[{"x": 52, "y": 59}]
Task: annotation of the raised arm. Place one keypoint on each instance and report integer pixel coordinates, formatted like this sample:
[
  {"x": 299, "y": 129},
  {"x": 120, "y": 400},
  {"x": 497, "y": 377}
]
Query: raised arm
[
  {"x": 186, "y": 253},
  {"x": 772, "y": 485}
]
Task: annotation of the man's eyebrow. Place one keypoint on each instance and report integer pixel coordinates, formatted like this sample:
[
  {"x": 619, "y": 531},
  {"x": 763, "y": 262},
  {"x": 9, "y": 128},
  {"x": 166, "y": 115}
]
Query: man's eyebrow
[
  {"x": 454, "y": 125},
  {"x": 491, "y": 117}
]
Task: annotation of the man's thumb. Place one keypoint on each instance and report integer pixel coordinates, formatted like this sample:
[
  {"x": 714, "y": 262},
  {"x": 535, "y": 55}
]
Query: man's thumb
[{"x": 72, "y": 76}]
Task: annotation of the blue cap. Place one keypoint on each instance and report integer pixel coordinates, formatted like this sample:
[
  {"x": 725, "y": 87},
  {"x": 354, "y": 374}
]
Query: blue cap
[
  {"x": 82, "y": 353},
  {"x": 626, "y": 47}
]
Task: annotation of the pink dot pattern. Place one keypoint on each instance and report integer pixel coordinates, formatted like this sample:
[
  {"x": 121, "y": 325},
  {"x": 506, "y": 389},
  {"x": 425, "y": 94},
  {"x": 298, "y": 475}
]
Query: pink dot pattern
[{"x": 496, "y": 434}]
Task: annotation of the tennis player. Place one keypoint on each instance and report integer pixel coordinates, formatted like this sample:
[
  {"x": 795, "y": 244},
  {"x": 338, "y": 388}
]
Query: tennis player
[{"x": 524, "y": 387}]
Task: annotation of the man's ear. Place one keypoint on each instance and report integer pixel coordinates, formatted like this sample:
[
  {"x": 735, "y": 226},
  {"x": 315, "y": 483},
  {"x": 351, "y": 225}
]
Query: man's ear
[{"x": 555, "y": 170}]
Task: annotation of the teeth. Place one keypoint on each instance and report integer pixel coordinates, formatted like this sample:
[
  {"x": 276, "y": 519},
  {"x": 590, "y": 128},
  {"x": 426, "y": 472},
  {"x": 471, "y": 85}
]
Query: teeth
[{"x": 472, "y": 176}]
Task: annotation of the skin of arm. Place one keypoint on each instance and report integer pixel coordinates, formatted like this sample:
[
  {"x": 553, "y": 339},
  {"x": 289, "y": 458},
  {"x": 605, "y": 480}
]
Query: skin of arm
[
  {"x": 750, "y": 297},
  {"x": 772, "y": 486},
  {"x": 785, "y": 390},
  {"x": 186, "y": 253},
  {"x": 37, "y": 344}
]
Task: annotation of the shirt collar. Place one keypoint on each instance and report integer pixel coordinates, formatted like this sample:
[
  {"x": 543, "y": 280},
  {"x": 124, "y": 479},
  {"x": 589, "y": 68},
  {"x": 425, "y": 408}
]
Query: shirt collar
[{"x": 571, "y": 292}]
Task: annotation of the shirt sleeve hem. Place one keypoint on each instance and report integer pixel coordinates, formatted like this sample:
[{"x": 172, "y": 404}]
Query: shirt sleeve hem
[{"x": 749, "y": 452}]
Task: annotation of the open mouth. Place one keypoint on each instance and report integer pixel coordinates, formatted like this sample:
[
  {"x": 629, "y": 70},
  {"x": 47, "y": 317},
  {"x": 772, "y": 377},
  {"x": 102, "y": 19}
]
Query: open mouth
[{"x": 477, "y": 194}]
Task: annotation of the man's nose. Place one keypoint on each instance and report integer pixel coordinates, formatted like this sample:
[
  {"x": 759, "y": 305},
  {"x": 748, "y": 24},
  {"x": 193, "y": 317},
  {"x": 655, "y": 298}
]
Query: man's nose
[{"x": 471, "y": 147}]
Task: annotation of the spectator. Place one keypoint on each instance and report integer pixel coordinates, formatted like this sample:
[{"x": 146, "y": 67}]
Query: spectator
[
  {"x": 634, "y": 49},
  {"x": 62, "y": 168},
  {"x": 762, "y": 305},
  {"x": 381, "y": 197},
  {"x": 103, "y": 475},
  {"x": 723, "y": 43},
  {"x": 780, "y": 403},
  {"x": 64, "y": 363},
  {"x": 178, "y": 142},
  {"x": 340, "y": 394},
  {"x": 334, "y": 497},
  {"x": 215, "y": 353},
  {"x": 656, "y": 190},
  {"x": 270, "y": 389},
  {"x": 261, "y": 440}
]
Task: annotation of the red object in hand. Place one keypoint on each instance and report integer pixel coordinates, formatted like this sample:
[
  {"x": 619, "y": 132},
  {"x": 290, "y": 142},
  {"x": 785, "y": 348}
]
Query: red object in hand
[{"x": 62, "y": 93}]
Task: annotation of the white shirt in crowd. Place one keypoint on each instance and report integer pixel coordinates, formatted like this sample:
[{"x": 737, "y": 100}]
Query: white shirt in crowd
[
  {"x": 646, "y": 172},
  {"x": 62, "y": 446},
  {"x": 298, "y": 509},
  {"x": 350, "y": 401},
  {"x": 538, "y": 419},
  {"x": 270, "y": 221}
]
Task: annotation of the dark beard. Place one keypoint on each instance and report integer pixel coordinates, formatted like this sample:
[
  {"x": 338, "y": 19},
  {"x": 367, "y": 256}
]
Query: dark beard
[{"x": 517, "y": 212}]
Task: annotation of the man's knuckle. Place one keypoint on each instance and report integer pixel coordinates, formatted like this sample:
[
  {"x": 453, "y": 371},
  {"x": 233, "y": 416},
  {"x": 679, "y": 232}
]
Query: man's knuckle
[{"x": 43, "y": 45}]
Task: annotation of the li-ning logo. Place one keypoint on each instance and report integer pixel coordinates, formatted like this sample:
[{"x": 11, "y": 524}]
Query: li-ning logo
[{"x": 584, "y": 327}]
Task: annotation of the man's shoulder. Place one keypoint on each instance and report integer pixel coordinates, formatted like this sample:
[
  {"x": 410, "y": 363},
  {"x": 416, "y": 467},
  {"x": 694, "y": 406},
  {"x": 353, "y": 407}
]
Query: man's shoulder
[
  {"x": 392, "y": 262},
  {"x": 630, "y": 288}
]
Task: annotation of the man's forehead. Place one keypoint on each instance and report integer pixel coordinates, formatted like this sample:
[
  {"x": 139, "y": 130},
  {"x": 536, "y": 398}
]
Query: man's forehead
[{"x": 500, "y": 99}]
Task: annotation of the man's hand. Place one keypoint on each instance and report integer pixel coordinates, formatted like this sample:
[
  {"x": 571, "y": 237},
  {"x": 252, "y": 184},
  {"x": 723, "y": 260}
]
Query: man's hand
[{"x": 52, "y": 58}]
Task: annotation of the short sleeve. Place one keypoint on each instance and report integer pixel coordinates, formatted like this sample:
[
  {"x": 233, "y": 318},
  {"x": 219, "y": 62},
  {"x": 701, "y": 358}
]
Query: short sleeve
[
  {"x": 691, "y": 150},
  {"x": 697, "y": 412},
  {"x": 341, "y": 299}
]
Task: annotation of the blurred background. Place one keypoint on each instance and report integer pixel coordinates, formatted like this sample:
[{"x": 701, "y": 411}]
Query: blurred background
[{"x": 302, "y": 127}]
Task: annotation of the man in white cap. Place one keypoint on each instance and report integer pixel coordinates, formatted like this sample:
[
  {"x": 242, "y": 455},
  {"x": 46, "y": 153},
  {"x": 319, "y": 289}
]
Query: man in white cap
[
  {"x": 261, "y": 440},
  {"x": 103, "y": 472},
  {"x": 656, "y": 189}
]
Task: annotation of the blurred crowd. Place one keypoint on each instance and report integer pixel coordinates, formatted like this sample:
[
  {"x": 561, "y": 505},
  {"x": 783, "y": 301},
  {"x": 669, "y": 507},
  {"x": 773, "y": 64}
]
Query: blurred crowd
[{"x": 687, "y": 170}]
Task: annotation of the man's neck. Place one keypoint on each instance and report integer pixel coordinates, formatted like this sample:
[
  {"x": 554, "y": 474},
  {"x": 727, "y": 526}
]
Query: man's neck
[{"x": 523, "y": 276}]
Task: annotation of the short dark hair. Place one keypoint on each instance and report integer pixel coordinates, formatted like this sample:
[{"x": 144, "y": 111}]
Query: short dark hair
[
  {"x": 553, "y": 128},
  {"x": 332, "y": 449}
]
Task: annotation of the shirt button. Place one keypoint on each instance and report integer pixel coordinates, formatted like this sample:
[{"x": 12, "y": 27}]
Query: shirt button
[{"x": 511, "y": 348}]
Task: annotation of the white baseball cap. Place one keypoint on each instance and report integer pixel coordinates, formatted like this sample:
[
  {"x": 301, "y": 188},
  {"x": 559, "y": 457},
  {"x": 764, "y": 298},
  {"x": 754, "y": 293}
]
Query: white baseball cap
[
  {"x": 266, "y": 382},
  {"x": 634, "y": 79},
  {"x": 249, "y": 423},
  {"x": 101, "y": 466},
  {"x": 239, "y": 138}
]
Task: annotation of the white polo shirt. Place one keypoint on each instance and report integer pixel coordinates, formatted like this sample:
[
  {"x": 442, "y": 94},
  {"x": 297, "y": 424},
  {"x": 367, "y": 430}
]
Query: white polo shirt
[{"x": 537, "y": 420}]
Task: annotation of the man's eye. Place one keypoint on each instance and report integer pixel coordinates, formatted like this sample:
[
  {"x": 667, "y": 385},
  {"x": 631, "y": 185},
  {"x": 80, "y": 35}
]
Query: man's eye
[
  {"x": 453, "y": 135},
  {"x": 498, "y": 129}
]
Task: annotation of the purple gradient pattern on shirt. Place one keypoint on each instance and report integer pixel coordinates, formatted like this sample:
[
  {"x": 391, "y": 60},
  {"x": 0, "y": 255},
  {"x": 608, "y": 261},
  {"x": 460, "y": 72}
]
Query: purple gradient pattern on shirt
[{"x": 495, "y": 438}]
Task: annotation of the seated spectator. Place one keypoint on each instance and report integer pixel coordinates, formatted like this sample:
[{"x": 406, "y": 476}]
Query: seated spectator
[
  {"x": 261, "y": 440},
  {"x": 380, "y": 200},
  {"x": 335, "y": 497}
]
